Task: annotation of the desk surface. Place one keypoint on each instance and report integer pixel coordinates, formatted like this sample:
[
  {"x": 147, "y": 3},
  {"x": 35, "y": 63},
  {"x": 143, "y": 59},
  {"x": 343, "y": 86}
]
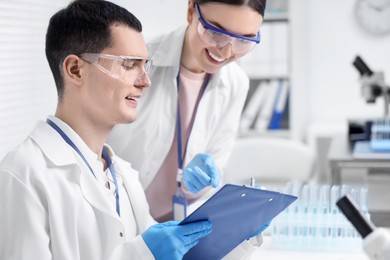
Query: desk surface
[{"x": 264, "y": 252}]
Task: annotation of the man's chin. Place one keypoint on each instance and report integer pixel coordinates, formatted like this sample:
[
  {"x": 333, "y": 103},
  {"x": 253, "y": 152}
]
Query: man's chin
[
  {"x": 129, "y": 119},
  {"x": 132, "y": 120}
]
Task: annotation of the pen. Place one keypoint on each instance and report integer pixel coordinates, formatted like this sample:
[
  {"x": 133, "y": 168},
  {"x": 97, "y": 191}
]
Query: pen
[{"x": 253, "y": 182}]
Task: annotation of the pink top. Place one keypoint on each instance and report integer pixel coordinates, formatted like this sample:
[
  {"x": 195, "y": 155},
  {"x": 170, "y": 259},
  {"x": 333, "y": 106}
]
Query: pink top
[{"x": 163, "y": 187}]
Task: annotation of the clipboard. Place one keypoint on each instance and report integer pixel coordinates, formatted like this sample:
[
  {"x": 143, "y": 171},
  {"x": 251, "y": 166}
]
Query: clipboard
[{"x": 236, "y": 213}]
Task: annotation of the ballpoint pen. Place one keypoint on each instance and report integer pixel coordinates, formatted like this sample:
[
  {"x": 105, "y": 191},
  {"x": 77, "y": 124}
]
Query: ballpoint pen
[{"x": 253, "y": 182}]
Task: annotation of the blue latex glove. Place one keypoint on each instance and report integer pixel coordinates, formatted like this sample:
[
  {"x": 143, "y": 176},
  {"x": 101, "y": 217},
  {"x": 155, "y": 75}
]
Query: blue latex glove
[
  {"x": 170, "y": 241},
  {"x": 200, "y": 173}
]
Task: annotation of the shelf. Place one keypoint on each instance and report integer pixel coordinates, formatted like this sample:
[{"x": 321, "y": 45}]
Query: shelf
[
  {"x": 268, "y": 66},
  {"x": 277, "y": 11},
  {"x": 276, "y": 17},
  {"x": 267, "y": 78},
  {"x": 280, "y": 133},
  {"x": 270, "y": 59}
]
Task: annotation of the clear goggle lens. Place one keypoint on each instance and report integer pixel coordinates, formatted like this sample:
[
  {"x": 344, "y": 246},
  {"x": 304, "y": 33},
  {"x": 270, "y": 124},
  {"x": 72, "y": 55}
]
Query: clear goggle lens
[{"x": 126, "y": 68}]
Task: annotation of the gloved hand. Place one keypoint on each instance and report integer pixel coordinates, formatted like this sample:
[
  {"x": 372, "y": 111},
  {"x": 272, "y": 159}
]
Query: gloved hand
[
  {"x": 200, "y": 173},
  {"x": 170, "y": 241}
]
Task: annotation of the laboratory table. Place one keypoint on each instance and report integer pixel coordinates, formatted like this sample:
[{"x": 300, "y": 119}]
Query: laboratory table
[{"x": 340, "y": 157}]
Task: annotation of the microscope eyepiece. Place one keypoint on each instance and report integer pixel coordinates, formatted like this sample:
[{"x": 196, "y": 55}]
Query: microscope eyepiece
[{"x": 362, "y": 67}]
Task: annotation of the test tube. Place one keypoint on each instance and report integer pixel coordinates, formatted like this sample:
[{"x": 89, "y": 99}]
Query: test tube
[
  {"x": 304, "y": 210},
  {"x": 363, "y": 200},
  {"x": 334, "y": 196},
  {"x": 313, "y": 211},
  {"x": 324, "y": 211}
]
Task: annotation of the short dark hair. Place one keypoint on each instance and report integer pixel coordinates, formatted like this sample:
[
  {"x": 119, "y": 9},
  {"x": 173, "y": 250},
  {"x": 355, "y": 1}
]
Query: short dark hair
[
  {"x": 257, "y": 5},
  {"x": 83, "y": 26}
]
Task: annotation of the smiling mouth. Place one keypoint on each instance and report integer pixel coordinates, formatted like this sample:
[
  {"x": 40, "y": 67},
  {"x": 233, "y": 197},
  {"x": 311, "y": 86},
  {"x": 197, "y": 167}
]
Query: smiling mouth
[
  {"x": 215, "y": 57},
  {"x": 130, "y": 98}
]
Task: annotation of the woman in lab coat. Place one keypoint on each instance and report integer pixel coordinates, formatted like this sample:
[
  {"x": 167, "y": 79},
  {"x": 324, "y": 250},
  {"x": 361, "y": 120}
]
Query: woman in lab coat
[{"x": 196, "y": 61}]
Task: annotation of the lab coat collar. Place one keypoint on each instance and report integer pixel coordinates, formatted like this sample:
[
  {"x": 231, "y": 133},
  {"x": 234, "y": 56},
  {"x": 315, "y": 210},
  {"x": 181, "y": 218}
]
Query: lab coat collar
[
  {"x": 90, "y": 155},
  {"x": 61, "y": 154},
  {"x": 52, "y": 145},
  {"x": 168, "y": 50}
]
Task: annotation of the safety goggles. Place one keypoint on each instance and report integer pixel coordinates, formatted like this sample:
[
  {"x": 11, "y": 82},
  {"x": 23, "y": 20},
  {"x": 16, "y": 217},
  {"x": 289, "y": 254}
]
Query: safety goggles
[
  {"x": 220, "y": 38},
  {"x": 126, "y": 68}
]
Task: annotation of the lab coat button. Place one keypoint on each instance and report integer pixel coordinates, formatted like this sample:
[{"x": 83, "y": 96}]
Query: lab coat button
[{"x": 120, "y": 234}]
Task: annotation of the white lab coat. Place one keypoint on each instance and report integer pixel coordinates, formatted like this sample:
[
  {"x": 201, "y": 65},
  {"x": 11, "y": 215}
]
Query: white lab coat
[
  {"x": 146, "y": 142},
  {"x": 52, "y": 208}
]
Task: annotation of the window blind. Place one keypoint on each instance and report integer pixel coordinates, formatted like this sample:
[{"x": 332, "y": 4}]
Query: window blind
[{"x": 27, "y": 89}]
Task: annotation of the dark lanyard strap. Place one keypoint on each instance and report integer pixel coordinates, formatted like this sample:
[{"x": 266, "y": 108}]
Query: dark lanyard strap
[
  {"x": 105, "y": 156},
  {"x": 180, "y": 156}
]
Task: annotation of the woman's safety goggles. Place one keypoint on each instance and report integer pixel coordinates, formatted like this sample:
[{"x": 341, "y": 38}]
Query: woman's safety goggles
[
  {"x": 220, "y": 38},
  {"x": 129, "y": 69}
]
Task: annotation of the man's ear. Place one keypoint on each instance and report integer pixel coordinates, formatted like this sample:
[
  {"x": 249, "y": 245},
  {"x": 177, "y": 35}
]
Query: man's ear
[
  {"x": 72, "y": 69},
  {"x": 190, "y": 10}
]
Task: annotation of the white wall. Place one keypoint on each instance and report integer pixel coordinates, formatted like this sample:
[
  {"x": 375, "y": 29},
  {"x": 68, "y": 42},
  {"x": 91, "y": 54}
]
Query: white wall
[
  {"x": 157, "y": 16},
  {"x": 326, "y": 38},
  {"x": 27, "y": 90}
]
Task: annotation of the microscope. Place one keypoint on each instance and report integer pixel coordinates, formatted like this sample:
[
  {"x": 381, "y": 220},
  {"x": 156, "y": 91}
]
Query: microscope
[
  {"x": 376, "y": 241},
  {"x": 372, "y": 86}
]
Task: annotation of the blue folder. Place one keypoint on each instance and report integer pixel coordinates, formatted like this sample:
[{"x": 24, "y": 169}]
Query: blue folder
[{"x": 236, "y": 213}]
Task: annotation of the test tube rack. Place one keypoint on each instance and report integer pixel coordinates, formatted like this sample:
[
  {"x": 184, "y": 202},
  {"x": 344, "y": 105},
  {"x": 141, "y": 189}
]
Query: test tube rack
[{"x": 314, "y": 222}]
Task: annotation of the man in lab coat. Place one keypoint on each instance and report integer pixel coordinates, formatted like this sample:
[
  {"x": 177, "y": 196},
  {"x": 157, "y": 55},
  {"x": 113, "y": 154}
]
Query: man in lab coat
[{"x": 64, "y": 194}]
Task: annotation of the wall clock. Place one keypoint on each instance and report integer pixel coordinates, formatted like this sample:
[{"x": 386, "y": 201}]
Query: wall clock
[{"x": 373, "y": 15}]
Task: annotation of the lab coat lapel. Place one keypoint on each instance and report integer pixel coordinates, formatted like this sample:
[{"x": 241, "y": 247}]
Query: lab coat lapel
[
  {"x": 95, "y": 196},
  {"x": 137, "y": 199},
  {"x": 61, "y": 154},
  {"x": 165, "y": 52}
]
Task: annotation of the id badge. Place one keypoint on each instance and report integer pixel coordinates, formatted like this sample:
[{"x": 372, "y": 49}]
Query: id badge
[{"x": 179, "y": 207}]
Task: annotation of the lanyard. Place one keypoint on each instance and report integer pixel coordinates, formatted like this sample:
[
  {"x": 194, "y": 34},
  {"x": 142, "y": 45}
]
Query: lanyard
[
  {"x": 179, "y": 202},
  {"x": 180, "y": 156},
  {"x": 105, "y": 156}
]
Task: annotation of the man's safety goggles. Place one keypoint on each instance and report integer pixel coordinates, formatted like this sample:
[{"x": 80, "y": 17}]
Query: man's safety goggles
[
  {"x": 220, "y": 38},
  {"x": 129, "y": 69}
]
